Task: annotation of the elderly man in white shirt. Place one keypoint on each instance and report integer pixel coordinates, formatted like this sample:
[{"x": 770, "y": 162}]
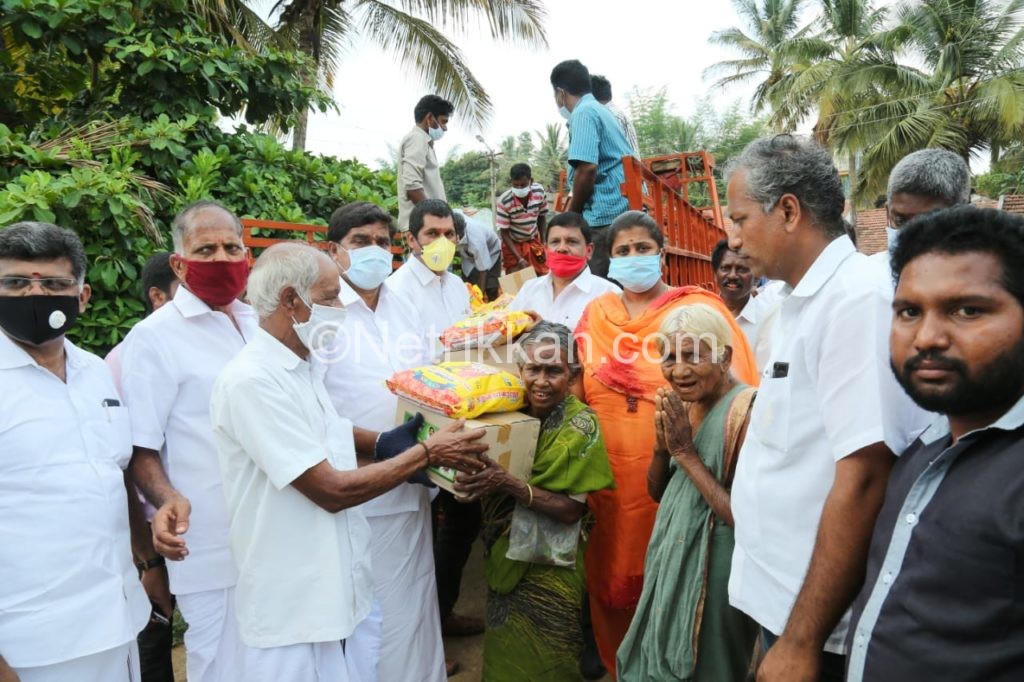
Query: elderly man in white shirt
[
  {"x": 70, "y": 599},
  {"x": 382, "y": 335},
  {"x": 562, "y": 294},
  {"x": 829, "y": 414},
  {"x": 424, "y": 280},
  {"x": 294, "y": 489},
  {"x": 752, "y": 309},
  {"x": 170, "y": 361}
]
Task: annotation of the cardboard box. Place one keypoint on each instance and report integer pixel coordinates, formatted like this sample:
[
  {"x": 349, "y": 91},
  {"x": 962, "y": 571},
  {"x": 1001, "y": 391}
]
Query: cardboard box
[
  {"x": 513, "y": 282},
  {"x": 500, "y": 357},
  {"x": 512, "y": 437}
]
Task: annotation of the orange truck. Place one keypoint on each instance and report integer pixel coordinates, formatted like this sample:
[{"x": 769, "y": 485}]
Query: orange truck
[{"x": 677, "y": 190}]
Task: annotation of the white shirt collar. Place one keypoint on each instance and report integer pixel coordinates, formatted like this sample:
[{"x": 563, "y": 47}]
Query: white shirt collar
[
  {"x": 422, "y": 273},
  {"x": 13, "y": 356},
  {"x": 190, "y": 305},
  {"x": 272, "y": 350},
  {"x": 823, "y": 267}
]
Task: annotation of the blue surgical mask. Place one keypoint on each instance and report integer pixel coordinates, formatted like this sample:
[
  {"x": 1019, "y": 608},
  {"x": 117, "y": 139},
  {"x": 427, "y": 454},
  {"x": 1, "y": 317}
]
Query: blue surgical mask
[
  {"x": 892, "y": 235},
  {"x": 636, "y": 273},
  {"x": 435, "y": 133},
  {"x": 368, "y": 266},
  {"x": 564, "y": 112}
]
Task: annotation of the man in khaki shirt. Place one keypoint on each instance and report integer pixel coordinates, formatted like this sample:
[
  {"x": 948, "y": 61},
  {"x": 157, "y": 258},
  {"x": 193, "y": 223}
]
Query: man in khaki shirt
[{"x": 419, "y": 176}]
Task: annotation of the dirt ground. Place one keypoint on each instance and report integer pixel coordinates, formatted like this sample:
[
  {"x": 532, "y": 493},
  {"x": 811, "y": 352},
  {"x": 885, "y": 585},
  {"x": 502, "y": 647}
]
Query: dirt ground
[{"x": 467, "y": 650}]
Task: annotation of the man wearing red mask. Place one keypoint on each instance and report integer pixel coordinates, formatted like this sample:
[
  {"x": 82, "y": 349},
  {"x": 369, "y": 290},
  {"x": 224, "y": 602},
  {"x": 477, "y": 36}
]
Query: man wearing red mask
[
  {"x": 562, "y": 294},
  {"x": 171, "y": 360}
]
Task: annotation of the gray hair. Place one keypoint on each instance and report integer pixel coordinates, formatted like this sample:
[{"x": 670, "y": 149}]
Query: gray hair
[
  {"x": 182, "y": 224},
  {"x": 786, "y": 164},
  {"x": 32, "y": 241},
  {"x": 550, "y": 332},
  {"x": 288, "y": 264},
  {"x": 934, "y": 173}
]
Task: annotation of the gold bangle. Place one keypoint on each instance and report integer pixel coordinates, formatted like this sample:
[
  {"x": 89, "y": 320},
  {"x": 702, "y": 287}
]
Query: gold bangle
[{"x": 529, "y": 488}]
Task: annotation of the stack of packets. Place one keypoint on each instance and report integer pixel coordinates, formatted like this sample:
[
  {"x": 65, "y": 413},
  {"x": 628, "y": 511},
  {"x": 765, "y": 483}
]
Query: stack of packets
[
  {"x": 486, "y": 335},
  {"x": 486, "y": 397}
]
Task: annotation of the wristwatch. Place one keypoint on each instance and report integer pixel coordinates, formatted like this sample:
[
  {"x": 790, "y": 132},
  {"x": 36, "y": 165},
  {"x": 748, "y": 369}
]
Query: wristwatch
[{"x": 144, "y": 566}]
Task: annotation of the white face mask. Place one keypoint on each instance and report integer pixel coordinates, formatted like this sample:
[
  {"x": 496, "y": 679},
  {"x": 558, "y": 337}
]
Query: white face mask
[
  {"x": 319, "y": 332},
  {"x": 891, "y": 236},
  {"x": 521, "y": 192}
]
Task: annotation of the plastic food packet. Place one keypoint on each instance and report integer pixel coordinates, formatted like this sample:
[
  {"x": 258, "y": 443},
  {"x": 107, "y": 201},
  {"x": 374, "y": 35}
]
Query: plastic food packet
[
  {"x": 460, "y": 390},
  {"x": 476, "y": 298},
  {"x": 486, "y": 329},
  {"x": 500, "y": 303}
]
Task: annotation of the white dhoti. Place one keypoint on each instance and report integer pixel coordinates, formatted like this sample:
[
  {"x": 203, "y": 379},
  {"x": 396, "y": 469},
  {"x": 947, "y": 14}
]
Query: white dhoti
[
  {"x": 410, "y": 646},
  {"x": 213, "y": 646},
  {"x": 120, "y": 664},
  {"x": 318, "y": 662}
]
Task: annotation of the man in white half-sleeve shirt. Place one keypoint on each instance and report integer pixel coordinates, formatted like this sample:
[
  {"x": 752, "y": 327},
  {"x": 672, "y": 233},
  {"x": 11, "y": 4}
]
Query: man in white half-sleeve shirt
[
  {"x": 424, "y": 280},
  {"x": 828, "y": 417},
  {"x": 169, "y": 364},
  {"x": 382, "y": 335},
  {"x": 562, "y": 294},
  {"x": 70, "y": 600},
  {"x": 291, "y": 478}
]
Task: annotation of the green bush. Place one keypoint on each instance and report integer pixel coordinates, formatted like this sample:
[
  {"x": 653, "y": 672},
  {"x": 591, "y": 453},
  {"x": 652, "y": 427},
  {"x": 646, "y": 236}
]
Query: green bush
[{"x": 110, "y": 197}]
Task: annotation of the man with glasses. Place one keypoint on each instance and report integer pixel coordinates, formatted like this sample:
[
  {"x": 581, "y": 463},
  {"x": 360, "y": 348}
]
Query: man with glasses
[{"x": 71, "y": 604}]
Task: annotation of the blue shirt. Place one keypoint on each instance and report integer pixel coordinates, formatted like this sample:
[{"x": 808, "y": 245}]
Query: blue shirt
[
  {"x": 595, "y": 137},
  {"x": 943, "y": 598}
]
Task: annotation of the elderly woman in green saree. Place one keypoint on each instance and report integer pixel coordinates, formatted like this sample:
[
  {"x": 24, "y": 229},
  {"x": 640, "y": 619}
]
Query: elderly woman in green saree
[
  {"x": 684, "y": 627},
  {"x": 535, "y": 531}
]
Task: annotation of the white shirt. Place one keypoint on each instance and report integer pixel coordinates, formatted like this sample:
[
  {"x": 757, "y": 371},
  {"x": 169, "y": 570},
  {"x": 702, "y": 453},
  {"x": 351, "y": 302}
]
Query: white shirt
[
  {"x": 480, "y": 248},
  {"x": 68, "y": 587},
  {"x": 170, "y": 361},
  {"x": 538, "y": 294},
  {"x": 373, "y": 345},
  {"x": 756, "y": 315},
  {"x": 442, "y": 300},
  {"x": 837, "y": 395},
  {"x": 303, "y": 573}
]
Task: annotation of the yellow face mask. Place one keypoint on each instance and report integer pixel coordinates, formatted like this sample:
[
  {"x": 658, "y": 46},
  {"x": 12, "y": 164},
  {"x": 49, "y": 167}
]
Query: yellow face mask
[{"x": 438, "y": 254}]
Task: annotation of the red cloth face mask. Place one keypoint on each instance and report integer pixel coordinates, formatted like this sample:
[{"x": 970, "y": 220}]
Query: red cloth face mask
[
  {"x": 565, "y": 264},
  {"x": 216, "y": 282}
]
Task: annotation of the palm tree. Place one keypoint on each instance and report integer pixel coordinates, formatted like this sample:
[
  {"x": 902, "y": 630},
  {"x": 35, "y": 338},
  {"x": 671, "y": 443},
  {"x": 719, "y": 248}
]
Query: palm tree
[
  {"x": 764, "y": 47},
  {"x": 411, "y": 30},
  {"x": 835, "y": 70},
  {"x": 550, "y": 156},
  {"x": 966, "y": 95}
]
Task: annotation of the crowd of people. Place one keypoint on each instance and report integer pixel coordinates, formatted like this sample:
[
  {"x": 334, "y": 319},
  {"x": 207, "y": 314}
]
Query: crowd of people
[{"x": 810, "y": 474}]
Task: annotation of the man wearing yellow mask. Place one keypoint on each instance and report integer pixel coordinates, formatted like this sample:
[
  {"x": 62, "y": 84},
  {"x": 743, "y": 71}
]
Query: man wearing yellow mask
[
  {"x": 442, "y": 300},
  {"x": 440, "y": 296}
]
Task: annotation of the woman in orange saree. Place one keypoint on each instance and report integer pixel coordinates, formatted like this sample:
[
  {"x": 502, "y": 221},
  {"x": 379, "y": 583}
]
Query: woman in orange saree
[{"x": 621, "y": 374}]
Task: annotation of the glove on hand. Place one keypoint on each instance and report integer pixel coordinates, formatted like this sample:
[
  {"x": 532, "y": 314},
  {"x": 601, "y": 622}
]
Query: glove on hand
[{"x": 397, "y": 440}]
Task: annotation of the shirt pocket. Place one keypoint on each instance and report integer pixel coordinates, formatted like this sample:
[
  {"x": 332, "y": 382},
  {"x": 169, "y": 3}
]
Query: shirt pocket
[
  {"x": 773, "y": 411},
  {"x": 109, "y": 431}
]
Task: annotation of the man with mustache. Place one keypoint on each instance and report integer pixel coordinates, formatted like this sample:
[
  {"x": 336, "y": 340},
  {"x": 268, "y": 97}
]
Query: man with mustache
[
  {"x": 943, "y": 598},
  {"x": 828, "y": 417},
  {"x": 750, "y": 307}
]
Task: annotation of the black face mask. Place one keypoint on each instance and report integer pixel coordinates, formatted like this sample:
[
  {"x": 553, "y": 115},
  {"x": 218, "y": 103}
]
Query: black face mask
[{"x": 37, "y": 319}]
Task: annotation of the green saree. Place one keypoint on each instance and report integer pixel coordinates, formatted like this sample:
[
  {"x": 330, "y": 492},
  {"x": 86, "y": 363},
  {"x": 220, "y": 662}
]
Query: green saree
[
  {"x": 684, "y": 627},
  {"x": 533, "y": 610}
]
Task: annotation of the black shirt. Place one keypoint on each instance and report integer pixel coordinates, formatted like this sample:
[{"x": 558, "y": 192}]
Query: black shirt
[{"x": 943, "y": 598}]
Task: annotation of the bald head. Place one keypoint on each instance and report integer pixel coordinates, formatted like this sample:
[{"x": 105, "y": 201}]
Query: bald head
[{"x": 202, "y": 214}]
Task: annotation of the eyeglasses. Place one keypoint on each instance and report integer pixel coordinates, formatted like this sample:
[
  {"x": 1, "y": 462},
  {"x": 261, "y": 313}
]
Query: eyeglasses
[{"x": 51, "y": 284}]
